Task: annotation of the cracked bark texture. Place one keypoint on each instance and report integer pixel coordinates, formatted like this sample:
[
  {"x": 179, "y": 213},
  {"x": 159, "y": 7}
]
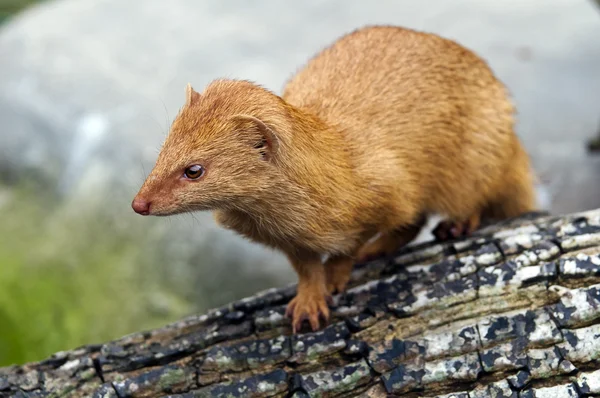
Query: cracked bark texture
[{"x": 513, "y": 311}]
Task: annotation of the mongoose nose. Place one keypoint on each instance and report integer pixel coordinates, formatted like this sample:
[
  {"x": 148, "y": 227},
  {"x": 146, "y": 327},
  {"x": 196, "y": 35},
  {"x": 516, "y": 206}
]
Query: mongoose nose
[{"x": 141, "y": 206}]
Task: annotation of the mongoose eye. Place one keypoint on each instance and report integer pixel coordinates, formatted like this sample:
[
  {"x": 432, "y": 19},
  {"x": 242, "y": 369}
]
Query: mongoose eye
[{"x": 194, "y": 172}]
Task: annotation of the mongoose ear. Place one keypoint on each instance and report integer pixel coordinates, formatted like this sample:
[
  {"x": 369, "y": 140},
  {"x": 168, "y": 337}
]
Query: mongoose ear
[
  {"x": 260, "y": 136},
  {"x": 191, "y": 96}
]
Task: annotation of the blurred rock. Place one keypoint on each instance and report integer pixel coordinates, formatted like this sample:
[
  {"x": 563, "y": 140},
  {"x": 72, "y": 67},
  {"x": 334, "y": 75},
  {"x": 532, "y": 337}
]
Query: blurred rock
[{"x": 88, "y": 90}]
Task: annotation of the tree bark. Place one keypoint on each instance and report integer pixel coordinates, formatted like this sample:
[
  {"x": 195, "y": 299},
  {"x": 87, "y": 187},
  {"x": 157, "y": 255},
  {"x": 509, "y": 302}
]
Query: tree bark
[{"x": 513, "y": 311}]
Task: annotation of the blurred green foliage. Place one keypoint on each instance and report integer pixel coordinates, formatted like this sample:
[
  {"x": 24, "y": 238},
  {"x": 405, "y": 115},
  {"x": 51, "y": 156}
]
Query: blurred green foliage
[
  {"x": 11, "y": 7},
  {"x": 66, "y": 281}
]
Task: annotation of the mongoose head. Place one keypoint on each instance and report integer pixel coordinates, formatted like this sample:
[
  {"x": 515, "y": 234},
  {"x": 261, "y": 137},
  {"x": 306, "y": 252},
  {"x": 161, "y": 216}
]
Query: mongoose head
[{"x": 220, "y": 153}]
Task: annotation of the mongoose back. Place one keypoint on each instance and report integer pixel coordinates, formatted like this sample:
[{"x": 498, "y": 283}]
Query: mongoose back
[{"x": 379, "y": 130}]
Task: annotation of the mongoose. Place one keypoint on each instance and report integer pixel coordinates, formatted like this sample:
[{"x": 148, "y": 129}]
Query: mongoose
[{"x": 377, "y": 131}]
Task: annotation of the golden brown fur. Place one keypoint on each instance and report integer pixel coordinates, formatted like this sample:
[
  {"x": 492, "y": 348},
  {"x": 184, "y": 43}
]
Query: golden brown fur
[{"x": 380, "y": 129}]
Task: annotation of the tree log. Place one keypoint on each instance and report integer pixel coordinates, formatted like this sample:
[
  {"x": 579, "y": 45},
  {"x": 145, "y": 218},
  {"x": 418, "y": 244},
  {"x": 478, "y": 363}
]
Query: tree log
[{"x": 512, "y": 311}]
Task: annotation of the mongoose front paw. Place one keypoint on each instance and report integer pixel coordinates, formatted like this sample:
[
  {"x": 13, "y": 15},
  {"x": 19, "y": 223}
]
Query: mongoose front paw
[{"x": 310, "y": 304}]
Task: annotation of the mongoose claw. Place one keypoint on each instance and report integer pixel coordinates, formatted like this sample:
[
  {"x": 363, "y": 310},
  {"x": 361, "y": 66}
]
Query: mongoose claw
[
  {"x": 447, "y": 230},
  {"x": 308, "y": 305}
]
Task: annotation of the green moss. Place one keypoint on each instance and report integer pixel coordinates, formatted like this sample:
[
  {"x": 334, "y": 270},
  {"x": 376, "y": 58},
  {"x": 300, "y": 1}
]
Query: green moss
[
  {"x": 171, "y": 379},
  {"x": 68, "y": 280}
]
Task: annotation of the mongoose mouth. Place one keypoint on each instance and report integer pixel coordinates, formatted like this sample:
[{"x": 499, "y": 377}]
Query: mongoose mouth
[{"x": 146, "y": 207}]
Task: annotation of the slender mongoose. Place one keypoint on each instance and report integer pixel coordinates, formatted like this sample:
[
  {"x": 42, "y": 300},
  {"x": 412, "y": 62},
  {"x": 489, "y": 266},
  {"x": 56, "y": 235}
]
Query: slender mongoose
[{"x": 376, "y": 132}]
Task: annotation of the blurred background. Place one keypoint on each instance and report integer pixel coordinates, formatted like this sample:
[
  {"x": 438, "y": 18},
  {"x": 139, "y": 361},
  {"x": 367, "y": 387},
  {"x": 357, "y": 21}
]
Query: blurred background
[{"x": 88, "y": 89}]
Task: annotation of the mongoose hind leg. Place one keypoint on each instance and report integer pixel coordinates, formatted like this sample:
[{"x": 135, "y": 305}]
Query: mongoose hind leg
[
  {"x": 312, "y": 299},
  {"x": 389, "y": 242},
  {"x": 520, "y": 200},
  {"x": 518, "y": 196},
  {"x": 450, "y": 229}
]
